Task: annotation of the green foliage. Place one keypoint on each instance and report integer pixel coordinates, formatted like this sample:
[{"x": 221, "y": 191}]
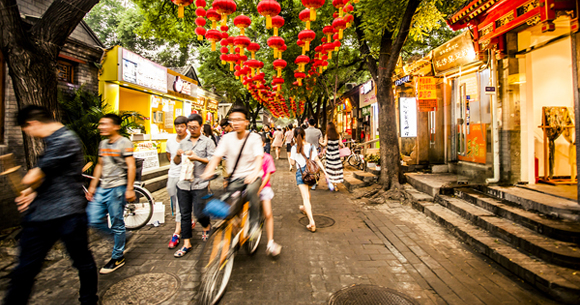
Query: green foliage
[{"x": 81, "y": 111}]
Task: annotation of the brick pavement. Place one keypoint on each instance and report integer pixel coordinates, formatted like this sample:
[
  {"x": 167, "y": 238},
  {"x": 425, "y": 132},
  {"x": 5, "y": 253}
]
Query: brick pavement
[{"x": 390, "y": 245}]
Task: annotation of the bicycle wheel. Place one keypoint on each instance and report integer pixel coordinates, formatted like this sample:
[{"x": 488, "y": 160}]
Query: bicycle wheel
[
  {"x": 215, "y": 265},
  {"x": 138, "y": 213},
  {"x": 354, "y": 160},
  {"x": 252, "y": 244}
]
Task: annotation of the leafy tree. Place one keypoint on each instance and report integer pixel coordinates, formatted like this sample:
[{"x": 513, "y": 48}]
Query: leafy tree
[
  {"x": 31, "y": 51},
  {"x": 382, "y": 27}
]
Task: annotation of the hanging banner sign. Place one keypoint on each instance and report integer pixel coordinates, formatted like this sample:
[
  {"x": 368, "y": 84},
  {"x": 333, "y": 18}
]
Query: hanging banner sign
[
  {"x": 456, "y": 52},
  {"x": 420, "y": 67},
  {"x": 199, "y": 102},
  {"x": 408, "y": 117},
  {"x": 212, "y": 104},
  {"x": 426, "y": 105},
  {"x": 367, "y": 95},
  {"x": 426, "y": 88}
]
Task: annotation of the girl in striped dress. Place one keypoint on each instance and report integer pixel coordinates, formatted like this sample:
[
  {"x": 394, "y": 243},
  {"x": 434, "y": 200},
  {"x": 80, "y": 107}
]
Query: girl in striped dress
[{"x": 333, "y": 142}]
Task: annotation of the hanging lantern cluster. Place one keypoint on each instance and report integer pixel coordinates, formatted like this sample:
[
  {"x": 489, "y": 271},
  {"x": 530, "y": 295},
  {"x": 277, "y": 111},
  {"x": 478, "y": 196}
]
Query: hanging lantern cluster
[
  {"x": 269, "y": 9},
  {"x": 200, "y": 20}
]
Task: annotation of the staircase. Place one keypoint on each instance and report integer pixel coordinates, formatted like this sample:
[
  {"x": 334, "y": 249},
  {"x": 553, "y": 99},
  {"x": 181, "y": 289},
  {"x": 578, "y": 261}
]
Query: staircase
[
  {"x": 534, "y": 235},
  {"x": 155, "y": 179},
  {"x": 358, "y": 179}
]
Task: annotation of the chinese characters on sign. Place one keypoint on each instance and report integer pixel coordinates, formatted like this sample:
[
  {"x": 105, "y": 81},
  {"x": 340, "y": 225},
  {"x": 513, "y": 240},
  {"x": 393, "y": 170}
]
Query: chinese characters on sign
[
  {"x": 457, "y": 52},
  {"x": 476, "y": 144},
  {"x": 212, "y": 104},
  {"x": 426, "y": 93},
  {"x": 408, "y": 117},
  {"x": 143, "y": 72}
]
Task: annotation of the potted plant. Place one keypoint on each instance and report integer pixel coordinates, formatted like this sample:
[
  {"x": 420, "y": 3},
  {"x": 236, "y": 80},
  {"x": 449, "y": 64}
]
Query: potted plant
[
  {"x": 372, "y": 160},
  {"x": 378, "y": 162}
]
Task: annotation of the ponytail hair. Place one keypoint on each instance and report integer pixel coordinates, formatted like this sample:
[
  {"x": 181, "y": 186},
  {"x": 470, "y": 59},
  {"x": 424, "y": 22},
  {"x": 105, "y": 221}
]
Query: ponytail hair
[{"x": 300, "y": 135}]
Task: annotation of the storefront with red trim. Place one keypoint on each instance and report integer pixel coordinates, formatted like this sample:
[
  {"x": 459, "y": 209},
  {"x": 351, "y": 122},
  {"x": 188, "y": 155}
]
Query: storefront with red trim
[{"x": 529, "y": 49}]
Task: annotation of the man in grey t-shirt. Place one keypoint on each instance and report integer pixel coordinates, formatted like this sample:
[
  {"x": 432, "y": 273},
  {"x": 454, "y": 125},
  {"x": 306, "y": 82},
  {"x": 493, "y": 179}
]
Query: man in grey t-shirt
[{"x": 116, "y": 172}]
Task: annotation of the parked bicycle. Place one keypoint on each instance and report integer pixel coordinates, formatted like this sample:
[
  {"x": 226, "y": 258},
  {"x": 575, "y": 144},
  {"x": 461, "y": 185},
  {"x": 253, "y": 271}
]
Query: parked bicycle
[
  {"x": 216, "y": 260},
  {"x": 356, "y": 159},
  {"x": 137, "y": 213}
]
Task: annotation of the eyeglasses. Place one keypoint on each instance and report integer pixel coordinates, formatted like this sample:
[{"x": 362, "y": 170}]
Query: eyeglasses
[
  {"x": 193, "y": 127},
  {"x": 236, "y": 120}
]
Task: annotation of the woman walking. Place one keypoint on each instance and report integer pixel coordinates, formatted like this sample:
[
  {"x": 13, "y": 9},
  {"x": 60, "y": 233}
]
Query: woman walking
[
  {"x": 208, "y": 132},
  {"x": 334, "y": 169},
  {"x": 298, "y": 156},
  {"x": 278, "y": 141},
  {"x": 288, "y": 138}
]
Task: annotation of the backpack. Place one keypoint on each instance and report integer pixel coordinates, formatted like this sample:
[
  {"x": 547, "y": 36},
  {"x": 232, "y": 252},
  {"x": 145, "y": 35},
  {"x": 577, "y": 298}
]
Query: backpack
[{"x": 311, "y": 172}]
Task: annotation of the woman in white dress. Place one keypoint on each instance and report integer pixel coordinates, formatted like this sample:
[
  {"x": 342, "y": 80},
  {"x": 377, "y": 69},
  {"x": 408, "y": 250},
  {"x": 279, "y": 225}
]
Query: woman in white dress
[{"x": 278, "y": 141}]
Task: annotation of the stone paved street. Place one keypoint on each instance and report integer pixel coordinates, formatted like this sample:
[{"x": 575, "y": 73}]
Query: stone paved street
[{"x": 390, "y": 245}]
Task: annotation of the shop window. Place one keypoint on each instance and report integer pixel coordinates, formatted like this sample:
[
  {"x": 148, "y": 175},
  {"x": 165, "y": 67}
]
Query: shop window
[
  {"x": 66, "y": 71},
  {"x": 2, "y": 99}
]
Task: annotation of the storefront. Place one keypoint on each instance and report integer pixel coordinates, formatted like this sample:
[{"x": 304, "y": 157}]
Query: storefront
[
  {"x": 370, "y": 113},
  {"x": 130, "y": 83},
  {"x": 344, "y": 118},
  {"x": 531, "y": 41}
]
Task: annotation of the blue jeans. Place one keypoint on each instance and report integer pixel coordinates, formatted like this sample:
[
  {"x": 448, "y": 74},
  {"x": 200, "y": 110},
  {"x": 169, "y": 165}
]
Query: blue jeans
[
  {"x": 268, "y": 148},
  {"x": 109, "y": 201},
  {"x": 36, "y": 240}
]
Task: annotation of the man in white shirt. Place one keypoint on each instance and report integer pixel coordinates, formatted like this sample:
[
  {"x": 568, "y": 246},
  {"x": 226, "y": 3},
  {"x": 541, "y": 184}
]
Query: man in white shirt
[
  {"x": 172, "y": 146},
  {"x": 248, "y": 172}
]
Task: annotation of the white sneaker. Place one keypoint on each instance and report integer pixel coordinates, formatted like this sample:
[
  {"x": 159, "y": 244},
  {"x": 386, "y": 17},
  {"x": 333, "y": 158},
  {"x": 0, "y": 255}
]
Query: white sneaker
[{"x": 274, "y": 249}]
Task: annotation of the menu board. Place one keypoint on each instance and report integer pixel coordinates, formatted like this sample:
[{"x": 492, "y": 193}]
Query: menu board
[
  {"x": 143, "y": 72},
  {"x": 168, "y": 121}
]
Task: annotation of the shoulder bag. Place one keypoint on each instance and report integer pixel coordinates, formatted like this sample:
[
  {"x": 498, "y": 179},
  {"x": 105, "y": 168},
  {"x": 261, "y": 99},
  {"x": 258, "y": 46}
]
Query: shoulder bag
[{"x": 311, "y": 172}]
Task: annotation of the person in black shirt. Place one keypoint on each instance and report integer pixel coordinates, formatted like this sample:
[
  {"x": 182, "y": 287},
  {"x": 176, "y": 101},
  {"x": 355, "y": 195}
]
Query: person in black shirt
[
  {"x": 53, "y": 206},
  {"x": 268, "y": 135}
]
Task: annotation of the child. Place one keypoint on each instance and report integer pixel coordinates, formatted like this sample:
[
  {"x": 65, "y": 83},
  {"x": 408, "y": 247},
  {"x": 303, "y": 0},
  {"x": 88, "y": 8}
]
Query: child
[{"x": 266, "y": 195}]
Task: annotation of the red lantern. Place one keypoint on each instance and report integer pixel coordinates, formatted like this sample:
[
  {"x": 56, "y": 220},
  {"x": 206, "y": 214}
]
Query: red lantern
[
  {"x": 277, "y": 22},
  {"x": 214, "y": 16},
  {"x": 337, "y": 45},
  {"x": 253, "y": 65},
  {"x": 200, "y": 3},
  {"x": 200, "y": 32},
  {"x": 313, "y": 5},
  {"x": 340, "y": 25},
  {"x": 275, "y": 42},
  {"x": 242, "y": 22},
  {"x": 278, "y": 81},
  {"x": 349, "y": 20},
  {"x": 224, "y": 51},
  {"x": 253, "y": 48},
  {"x": 269, "y": 9},
  {"x": 224, "y": 8},
  {"x": 279, "y": 64},
  {"x": 200, "y": 12},
  {"x": 299, "y": 76},
  {"x": 225, "y": 35},
  {"x": 328, "y": 31},
  {"x": 181, "y": 6},
  {"x": 302, "y": 61},
  {"x": 339, "y": 4},
  {"x": 307, "y": 36},
  {"x": 305, "y": 17},
  {"x": 329, "y": 47},
  {"x": 242, "y": 42},
  {"x": 213, "y": 36},
  {"x": 232, "y": 59}
]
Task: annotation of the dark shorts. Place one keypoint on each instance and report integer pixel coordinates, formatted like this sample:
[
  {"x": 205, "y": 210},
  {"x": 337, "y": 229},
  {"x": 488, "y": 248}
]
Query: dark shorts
[{"x": 288, "y": 147}]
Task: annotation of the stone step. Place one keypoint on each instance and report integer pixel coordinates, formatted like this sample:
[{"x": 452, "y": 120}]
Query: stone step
[
  {"x": 373, "y": 170},
  {"x": 364, "y": 176},
  {"x": 433, "y": 184},
  {"x": 556, "y": 252},
  {"x": 353, "y": 183},
  {"x": 416, "y": 195},
  {"x": 158, "y": 172},
  {"x": 157, "y": 183},
  {"x": 559, "y": 229},
  {"x": 562, "y": 284},
  {"x": 530, "y": 200}
]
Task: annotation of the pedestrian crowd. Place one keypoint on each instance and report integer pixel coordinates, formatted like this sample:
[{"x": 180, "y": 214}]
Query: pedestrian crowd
[{"x": 55, "y": 207}]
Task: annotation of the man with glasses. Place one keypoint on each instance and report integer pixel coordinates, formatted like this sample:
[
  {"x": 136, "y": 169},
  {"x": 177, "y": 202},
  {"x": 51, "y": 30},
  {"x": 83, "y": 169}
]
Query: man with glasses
[
  {"x": 199, "y": 149},
  {"x": 243, "y": 151}
]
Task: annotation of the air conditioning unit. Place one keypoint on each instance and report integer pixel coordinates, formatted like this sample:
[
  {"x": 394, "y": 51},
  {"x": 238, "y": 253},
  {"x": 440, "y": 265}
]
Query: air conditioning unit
[{"x": 350, "y": 86}]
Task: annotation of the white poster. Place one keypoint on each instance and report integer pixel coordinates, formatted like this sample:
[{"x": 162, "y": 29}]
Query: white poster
[
  {"x": 187, "y": 109},
  {"x": 169, "y": 117},
  {"x": 408, "y": 117},
  {"x": 151, "y": 159}
]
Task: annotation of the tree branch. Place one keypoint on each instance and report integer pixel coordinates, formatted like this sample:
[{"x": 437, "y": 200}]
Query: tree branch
[
  {"x": 12, "y": 27},
  {"x": 403, "y": 34},
  {"x": 54, "y": 27},
  {"x": 364, "y": 48}
]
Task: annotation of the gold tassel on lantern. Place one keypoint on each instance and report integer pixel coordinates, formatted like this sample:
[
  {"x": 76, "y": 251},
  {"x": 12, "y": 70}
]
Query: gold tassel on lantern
[
  {"x": 225, "y": 20},
  {"x": 213, "y": 46},
  {"x": 231, "y": 66},
  {"x": 268, "y": 22},
  {"x": 340, "y": 33},
  {"x": 181, "y": 11},
  {"x": 275, "y": 32},
  {"x": 312, "y": 14},
  {"x": 199, "y": 37}
]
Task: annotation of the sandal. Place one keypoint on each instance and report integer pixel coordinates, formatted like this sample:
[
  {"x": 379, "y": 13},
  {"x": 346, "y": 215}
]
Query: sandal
[
  {"x": 182, "y": 252},
  {"x": 311, "y": 228}
]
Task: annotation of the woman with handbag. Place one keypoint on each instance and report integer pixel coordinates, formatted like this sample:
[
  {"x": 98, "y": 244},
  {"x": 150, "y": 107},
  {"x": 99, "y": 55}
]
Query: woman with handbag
[
  {"x": 333, "y": 143},
  {"x": 304, "y": 156}
]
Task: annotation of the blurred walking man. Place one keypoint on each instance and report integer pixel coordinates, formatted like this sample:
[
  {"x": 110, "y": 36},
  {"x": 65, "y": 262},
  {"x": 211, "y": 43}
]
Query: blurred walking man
[
  {"x": 54, "y": 208},
  {"x": 116, "y": 170}
]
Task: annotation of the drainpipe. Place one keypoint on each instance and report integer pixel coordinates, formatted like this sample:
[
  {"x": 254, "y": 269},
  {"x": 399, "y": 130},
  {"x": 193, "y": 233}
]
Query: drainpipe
[{"x": 494, "y": 123}]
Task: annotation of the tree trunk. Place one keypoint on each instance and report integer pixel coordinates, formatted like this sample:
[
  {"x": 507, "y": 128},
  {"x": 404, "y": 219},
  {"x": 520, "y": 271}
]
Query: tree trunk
[
  {"x": 31, "y": 53},
  {"x": 388, "y": 135}
]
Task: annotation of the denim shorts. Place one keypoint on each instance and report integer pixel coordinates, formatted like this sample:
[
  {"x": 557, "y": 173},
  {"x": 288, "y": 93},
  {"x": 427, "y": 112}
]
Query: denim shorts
[{"x": 299, "y": 180}]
